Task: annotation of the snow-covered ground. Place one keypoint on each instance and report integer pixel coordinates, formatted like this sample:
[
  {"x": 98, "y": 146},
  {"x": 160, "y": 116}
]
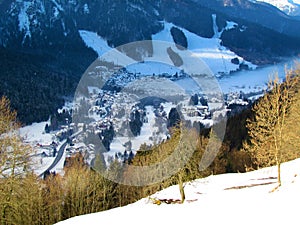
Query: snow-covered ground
[
  {"x": 254, "y": 80},
  {"x": 237, "y": 198},
  {"x": 291, "y": 7},
  {"x": 35, "y": 133},
  {"x": 249, "y": 81},
  {"x": 40, "y": 141},
  {"x": 149, "y": 68},
  {"x": 41, "y": 164},
  {"x": 94, "y": 41},
  {"x": 215, "y": 56}
]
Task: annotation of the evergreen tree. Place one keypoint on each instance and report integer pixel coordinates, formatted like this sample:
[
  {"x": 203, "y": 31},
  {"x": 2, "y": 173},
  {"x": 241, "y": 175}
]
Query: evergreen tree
[
  {"x": 47, "y": 128},
  {"x": 203, "y": 101},
  {"x": 173, "y": 118},
  {"x": 136, "y": 123},
  {"x": 194, "y": 99}
]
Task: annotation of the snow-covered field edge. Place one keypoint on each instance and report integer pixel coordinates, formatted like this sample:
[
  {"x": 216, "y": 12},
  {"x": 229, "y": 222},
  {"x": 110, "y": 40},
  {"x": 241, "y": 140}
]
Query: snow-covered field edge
[{"x": 236, "y": 198}]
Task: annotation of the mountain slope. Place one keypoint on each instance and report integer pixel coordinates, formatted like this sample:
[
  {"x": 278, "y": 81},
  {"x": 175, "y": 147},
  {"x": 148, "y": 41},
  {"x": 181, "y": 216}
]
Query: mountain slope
[
  {"x": 52, "y": 26},
  {"x": 243, "y": 198},
  {"x": 256, "y": 12},
  {"x": 51, "y": 29},
  {"x": 290, "y": 7}
]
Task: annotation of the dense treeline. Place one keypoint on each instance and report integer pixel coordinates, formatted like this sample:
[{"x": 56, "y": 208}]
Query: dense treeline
[
  {"x": 35, "y": 90},
  {"x": 25, "y": 199}
]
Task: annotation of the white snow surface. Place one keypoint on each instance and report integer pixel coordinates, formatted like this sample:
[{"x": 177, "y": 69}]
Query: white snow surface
[
  {"x": 255, "y": 80},
  {"x": 100, "y": 46},
  {"x": 24, "y": 22},
  {"x": 150, "y": 68},
  {"x": 148, "y": 130},
  {"x": 35, "y": 134},
  {"x": 209, "y": 50},
  {"x": 94, "y": 41},
  {"x": 41, "y": 164},
  {"x": 236, "y": 198},
  {"x": 291, "y": 7}
]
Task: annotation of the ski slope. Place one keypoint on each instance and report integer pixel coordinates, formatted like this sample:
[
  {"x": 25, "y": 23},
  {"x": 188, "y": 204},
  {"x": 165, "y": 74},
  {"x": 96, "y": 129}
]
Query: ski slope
[{"x": 209, "y": 50}]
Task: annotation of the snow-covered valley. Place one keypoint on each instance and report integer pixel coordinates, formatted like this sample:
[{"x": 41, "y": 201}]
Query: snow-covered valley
[
  {"x": 234, "y": 86},
  {"x": 149, "y": 112},
  {"x": 110, "y": 110}
]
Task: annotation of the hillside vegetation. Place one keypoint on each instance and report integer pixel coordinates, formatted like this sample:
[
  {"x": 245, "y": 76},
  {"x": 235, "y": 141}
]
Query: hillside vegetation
[{"x": 265, "y": 135}]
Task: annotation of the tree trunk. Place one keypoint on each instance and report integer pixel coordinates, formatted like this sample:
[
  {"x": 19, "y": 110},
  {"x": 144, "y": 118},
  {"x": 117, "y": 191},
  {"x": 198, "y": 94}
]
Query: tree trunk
[
  {"x": 278, "y": 174},
  {"x": 181, "y": 189}
]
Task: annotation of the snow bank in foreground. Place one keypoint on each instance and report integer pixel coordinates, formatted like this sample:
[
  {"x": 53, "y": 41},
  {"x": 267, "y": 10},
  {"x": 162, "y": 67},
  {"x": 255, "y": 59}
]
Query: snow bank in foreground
[{"x": 221, "y": 199}]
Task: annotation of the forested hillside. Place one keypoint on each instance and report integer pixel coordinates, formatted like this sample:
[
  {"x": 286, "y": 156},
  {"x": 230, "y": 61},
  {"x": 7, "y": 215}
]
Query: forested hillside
[
  {"x": 26, "y": 199},
  {"x": 40, "y": 88}
]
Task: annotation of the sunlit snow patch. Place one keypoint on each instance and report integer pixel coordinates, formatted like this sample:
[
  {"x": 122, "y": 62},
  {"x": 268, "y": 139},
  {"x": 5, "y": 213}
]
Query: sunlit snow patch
[{"x": 217, "y": 57}]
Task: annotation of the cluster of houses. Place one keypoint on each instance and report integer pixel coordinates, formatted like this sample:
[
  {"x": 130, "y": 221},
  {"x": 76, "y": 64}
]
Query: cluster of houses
[
  {"x": 47, "y": 150},
  {"x": 108, "y": 111},
  {"x": 197, "y": 111}
]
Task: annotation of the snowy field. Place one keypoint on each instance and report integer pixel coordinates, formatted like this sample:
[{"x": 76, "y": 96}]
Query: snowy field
[
  {"x": 213, "y": 55},
  {"x": 254, "y": 80},
  {"x": 237, "y": 198},
  {"x": 35, "y": 134},
  {"x": 147, "y": 136},
  {"x": 209, "y": 50},
  {"x": 40, "y": 141}
]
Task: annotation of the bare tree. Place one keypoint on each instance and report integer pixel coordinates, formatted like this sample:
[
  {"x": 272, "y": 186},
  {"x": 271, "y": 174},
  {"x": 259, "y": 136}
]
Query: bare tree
[
  {"x": 267, "y": 128},
  {"x": 14, "y": 167}
]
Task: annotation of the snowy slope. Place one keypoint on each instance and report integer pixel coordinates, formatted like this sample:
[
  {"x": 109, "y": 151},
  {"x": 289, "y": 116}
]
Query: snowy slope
[
  {"x": 94, "y": 41},
  {"x": 290, "y": 7},
  {"x": 35, "y": 133},
  {"x": 100, "y": 46},
  {"x": 222, "y": 199},
  {"x": 215, "y": 56},
  {"x": 210, "y": 50}
]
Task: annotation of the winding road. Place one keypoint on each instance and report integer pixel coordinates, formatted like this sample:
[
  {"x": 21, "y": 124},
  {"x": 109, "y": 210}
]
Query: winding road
[
  {"x": 59, "y": 155},
  {"x": 57, "y": 158}
]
